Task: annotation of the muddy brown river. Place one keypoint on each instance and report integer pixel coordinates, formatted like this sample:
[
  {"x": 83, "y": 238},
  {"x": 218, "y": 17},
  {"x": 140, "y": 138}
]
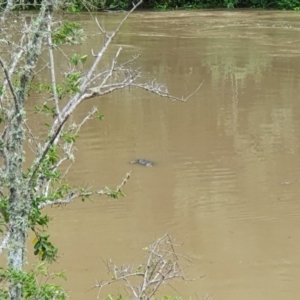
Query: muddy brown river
[{"x": 226, "y": 179}]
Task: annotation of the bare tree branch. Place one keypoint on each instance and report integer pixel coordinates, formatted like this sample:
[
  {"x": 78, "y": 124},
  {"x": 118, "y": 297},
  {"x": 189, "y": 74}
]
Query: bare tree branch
[
  {"x": 52, "y": 67},
  {"x": 162, "y": 91},
  {"x": 12, "y": 90},
  {"x": 90, "y": 87},
  {"x": 142, "y": 282},
  {"x": 77, "y": 193}
]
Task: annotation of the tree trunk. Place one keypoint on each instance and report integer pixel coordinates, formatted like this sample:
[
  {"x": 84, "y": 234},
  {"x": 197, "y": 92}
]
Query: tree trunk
[{"x": 19, "y": 206}]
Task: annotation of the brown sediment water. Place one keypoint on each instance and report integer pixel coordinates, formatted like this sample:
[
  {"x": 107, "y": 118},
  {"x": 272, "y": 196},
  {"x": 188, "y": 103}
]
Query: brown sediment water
[{"x": 226, "y": 179}]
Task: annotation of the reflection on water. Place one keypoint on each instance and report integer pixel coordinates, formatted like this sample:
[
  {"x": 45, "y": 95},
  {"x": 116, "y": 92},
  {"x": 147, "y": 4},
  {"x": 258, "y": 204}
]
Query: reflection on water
[{"x": 226, "y": 178}]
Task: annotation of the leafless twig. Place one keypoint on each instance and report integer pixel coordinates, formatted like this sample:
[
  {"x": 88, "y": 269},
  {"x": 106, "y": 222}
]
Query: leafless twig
[{"x": 143, "y": 282}]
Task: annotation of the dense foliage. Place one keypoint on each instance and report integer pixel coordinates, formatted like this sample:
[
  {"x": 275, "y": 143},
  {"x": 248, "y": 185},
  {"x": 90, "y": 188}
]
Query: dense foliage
[{"x": 79, "y": 5}]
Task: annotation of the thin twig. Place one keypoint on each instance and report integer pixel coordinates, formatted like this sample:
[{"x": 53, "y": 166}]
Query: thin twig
[
  {"x": 8, "y": 79},
  {"x": 144, "y": 281},
  {"x": 52, "y": 67}
]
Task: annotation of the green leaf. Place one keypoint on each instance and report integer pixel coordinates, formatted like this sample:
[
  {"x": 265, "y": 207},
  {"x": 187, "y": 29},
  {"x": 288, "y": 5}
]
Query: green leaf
[
  {"x": 83, "y": 59},
  {"x": 67, "y": 33},
  {"x": 37, "y": 109},
  {"x": 100, "y": 117}
]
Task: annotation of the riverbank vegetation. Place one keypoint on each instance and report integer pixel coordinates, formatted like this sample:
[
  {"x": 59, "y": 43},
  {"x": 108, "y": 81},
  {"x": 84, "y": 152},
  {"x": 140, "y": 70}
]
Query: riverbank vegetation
[
  {"x": 229, "y": 4},
  {"x": 111, "y": 5}
]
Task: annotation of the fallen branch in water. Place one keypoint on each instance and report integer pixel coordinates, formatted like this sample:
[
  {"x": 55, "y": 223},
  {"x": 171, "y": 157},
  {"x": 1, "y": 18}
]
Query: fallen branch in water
[{"x": 143, "y": 282}]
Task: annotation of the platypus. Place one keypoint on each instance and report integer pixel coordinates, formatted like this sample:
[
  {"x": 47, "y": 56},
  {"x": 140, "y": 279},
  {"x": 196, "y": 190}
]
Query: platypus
[{"x": 144, "y": 162}]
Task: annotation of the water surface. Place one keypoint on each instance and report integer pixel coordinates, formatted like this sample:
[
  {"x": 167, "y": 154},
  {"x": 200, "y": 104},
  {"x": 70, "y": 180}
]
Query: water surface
[{"x": 226, "y": 179}]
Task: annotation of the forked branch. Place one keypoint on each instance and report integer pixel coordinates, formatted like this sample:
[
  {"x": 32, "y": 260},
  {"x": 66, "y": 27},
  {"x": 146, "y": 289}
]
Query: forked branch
[
  {"x": 142, "y": 282},
  {"x": 83, "y": 193}
]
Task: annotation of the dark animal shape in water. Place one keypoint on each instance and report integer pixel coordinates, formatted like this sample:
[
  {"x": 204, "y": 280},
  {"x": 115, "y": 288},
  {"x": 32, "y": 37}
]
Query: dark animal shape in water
[{"x": 143, "y": 162}]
